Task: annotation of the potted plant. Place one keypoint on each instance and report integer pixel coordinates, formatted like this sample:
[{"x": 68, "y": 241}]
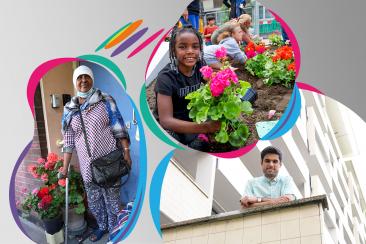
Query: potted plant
[{"x": 48, "y": 201}]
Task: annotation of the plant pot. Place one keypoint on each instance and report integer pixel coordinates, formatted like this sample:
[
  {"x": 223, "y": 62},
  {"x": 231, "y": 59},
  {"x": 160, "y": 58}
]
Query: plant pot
[
  {"x": 76, "y": 221},
  {"x": 53, "y": 225}
]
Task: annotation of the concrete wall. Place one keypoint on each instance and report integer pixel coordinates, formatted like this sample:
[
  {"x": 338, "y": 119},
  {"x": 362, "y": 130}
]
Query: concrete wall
[
  {"x": 179, "y": 191},
  {"x": 294, "y": 224}
]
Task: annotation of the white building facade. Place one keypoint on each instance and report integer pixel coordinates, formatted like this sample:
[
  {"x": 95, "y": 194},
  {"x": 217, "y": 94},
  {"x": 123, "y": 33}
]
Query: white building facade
[{"x": 320, "y": 153}]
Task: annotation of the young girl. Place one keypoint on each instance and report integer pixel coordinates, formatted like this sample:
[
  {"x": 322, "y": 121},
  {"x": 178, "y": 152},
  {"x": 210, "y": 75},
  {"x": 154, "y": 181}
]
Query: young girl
[
  {"x": 180, "y": 77},
  {"x": 229, "y": 37}
]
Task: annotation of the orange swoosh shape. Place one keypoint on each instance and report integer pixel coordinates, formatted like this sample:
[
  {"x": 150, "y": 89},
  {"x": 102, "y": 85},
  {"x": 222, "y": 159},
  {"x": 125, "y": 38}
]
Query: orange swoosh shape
[{"x": 124, "y": 34}]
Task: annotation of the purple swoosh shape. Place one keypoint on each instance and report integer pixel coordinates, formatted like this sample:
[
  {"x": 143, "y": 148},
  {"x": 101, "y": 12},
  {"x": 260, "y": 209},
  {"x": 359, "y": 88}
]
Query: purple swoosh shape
[
  {"x": 12, "y": 189},
  {"x": 126, "y": 44}
]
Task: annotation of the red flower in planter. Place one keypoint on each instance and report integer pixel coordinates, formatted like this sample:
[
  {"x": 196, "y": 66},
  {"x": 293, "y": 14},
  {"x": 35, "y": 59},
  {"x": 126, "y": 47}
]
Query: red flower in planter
[
  {"x": 46, "y": 200},
  {"x": 52, "y": 158},
  {"x": 291, "y": 67},
  {"x": 49, "y": 165},
  {"x": 43, "y": 192},
  {"x": 260, "y": 48},
  {"x": 62, "y": 182}
]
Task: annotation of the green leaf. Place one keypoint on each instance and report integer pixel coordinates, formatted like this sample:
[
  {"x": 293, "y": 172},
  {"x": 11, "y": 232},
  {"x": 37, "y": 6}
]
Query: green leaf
[
  {"x": 231, "y": 110},
  {"x": 239, "y": 137},
  {"x": 214, "y": 113},
  {"x": 222, "y": 136},
  {"x": 80, "y": 209},
  {"x": 246, "y": 107},
  {"x": 201, "y": 115}
]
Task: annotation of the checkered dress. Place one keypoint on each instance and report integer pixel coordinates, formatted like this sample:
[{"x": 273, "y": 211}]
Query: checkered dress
[{"x": 100, "y": 138}]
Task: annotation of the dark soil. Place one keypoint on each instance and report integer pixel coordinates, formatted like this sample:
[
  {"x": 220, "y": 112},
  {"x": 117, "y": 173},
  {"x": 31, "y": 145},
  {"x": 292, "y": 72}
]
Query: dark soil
[{"x": 275, "y": 97}]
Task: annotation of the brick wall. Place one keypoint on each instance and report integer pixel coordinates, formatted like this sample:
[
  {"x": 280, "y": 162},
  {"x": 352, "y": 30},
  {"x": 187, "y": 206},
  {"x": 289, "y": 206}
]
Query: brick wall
[{"x": 24, "y": 180}]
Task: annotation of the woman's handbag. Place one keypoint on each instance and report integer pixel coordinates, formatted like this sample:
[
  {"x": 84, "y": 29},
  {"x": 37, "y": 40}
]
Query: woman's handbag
[{"x": 107, "y": 170}]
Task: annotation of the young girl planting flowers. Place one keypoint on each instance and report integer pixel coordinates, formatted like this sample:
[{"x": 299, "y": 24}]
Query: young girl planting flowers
[{"x": 179, "y": 78}]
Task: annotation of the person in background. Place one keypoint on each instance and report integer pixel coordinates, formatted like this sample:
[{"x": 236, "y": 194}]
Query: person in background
[
  {"x": 209, "y": 29},
  {"x": 228, "y": 37},
  {"x": 191, "y": 14},
  {"x": 245, "y": 22},
  {"x": 270, "y": 188},
  {"x": 235, "y": 6}
]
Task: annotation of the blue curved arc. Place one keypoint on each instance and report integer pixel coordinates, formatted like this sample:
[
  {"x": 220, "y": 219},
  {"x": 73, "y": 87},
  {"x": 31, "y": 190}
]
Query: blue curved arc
[
  {"x": 155, "y": 190},
  {"x": 141, "y": 182},
  {"x": 288, "y": 119}
]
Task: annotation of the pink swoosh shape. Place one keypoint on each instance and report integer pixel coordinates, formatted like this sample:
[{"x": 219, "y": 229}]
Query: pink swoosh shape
[
  {"x": 236, "y": 153},
  {"x": 38, "y": 73},
  {"x": 145, "y": 43},
  {"x": 304, "y": 86},
  {"x": 156, "y": 49}
]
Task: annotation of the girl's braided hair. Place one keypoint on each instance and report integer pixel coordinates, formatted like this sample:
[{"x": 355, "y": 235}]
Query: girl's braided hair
[{"x": 177, "y": 31}]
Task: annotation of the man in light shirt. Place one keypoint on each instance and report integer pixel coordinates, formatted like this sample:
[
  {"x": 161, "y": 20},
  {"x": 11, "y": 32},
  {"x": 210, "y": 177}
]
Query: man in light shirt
[{"x": 270, "y": 188}]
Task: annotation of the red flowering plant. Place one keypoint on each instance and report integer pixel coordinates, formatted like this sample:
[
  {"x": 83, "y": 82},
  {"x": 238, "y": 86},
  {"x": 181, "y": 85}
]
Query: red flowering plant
[
  {"x": 252, "y": 49},
  {"x": 48, "y": 200},
  {"x": 219, "y": 100},
  {"x": 276, "y": 68}
]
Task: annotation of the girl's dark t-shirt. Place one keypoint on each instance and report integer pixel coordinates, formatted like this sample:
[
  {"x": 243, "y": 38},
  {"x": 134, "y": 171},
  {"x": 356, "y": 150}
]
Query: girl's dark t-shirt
[{"x": 172, "y": 83}]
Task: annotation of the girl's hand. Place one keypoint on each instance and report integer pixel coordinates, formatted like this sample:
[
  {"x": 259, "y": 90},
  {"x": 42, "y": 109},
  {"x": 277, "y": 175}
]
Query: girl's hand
[{"x": 212, "y": 126}]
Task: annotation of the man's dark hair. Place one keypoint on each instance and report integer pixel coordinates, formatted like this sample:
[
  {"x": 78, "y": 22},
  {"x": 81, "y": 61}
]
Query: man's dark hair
[
  {"x": 210, "y": 17},
  {"x": 271, "y": 150}
]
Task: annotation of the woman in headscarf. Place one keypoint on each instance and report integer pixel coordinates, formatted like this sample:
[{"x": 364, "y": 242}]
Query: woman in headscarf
[{"x": 104, "y": 126}]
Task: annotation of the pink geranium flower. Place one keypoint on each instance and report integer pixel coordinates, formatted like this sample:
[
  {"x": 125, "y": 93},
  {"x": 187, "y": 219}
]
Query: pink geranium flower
[
  {"x": 206, "y": 71},
  {"x": 35, "y": 191},
  {"x": 44, "y": 177},
  {"x": 251, "y": 54},
  {"x": 41, "y": 160},
  {"x": 62, "y": 182},
  {"x": 49, "y": 165},
  {"x": 52, "y": 157},
  {"x": 32, "y": 168},
  {"x": 203, "y": 137},
  {"x": 220, "y": 52}
]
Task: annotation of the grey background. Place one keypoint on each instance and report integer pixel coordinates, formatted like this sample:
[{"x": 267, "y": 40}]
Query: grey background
[{"x": 330, "y": 34}]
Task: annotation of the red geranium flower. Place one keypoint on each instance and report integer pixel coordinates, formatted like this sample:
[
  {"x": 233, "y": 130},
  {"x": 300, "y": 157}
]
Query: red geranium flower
[
  {"x": 42, "y": 192},
  {"x": 46, "y": 200},
  {"x": 52, "y": 157},
  {"x": 291, "y": 66}
]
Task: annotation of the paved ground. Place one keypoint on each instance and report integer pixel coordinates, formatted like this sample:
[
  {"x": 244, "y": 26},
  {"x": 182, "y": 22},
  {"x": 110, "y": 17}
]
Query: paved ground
[{"x": 37, "y": 234}]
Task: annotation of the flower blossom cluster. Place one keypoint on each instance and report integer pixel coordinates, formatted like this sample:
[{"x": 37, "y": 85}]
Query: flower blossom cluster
[
  {"x": 283, "y": 53},
  {"x": 221, "y": 80},
  {"x": 220, "y": 53},
  {"x": 251, "y": 50},
  {"x": 45, "y": 197}
]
